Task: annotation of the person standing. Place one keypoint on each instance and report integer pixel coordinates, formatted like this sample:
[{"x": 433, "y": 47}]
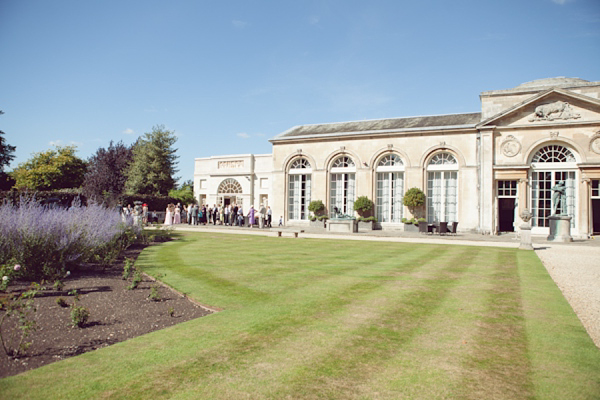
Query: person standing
[
  {"x": 168, "y": 215},
  {"x": 145, "y": 214},
  {"x": 226, "y": 215},
  {"x": 262, "y": 215},
  {"x": 251, "y": 217},
  {"x": 215, "y": 214},
  {"x": 189, "y": 213},
  {"x": 234, "y": 214},
  {"x": 269, "y": 216},
  {"x": 240, "y": 217},
  {"x": 177, "y": 216},
  {"x": 194, "y": 212}
]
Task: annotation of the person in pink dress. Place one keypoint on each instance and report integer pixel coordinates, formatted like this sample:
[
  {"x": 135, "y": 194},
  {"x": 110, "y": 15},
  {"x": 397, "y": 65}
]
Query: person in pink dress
[{"x": 177, "y": 217}]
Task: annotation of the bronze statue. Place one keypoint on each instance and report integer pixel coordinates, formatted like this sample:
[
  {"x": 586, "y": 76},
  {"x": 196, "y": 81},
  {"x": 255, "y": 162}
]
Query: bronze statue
[{"x": 558, "y": 197}]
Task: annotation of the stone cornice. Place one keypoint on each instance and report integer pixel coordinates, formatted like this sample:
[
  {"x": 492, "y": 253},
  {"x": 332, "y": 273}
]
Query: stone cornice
[{"x": 456, "y": 129}]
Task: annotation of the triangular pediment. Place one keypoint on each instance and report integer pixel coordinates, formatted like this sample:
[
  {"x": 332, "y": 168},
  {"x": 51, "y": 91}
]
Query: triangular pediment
[{"x": 550, "y": 107}]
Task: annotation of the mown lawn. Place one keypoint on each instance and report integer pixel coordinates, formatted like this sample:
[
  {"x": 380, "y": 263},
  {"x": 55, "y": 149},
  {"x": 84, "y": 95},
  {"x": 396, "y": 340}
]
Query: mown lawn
[{"x": 311, "y": 319}]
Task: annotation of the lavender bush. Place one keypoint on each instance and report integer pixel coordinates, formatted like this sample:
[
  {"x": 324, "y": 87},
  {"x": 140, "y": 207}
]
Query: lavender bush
[{"x": 46, "y": 241}]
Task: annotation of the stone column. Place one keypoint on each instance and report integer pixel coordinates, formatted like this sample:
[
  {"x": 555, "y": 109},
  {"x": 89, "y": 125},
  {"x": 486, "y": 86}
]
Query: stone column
[{"x": 486, "y": 181}]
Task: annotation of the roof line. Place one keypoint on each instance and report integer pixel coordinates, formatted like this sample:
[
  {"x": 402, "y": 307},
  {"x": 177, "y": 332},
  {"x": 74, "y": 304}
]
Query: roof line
[{"x": 379, "y": 131}]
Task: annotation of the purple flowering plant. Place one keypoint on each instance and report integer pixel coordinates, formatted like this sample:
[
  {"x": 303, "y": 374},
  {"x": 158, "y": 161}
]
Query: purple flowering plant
[{"x": 38, "y": 241}]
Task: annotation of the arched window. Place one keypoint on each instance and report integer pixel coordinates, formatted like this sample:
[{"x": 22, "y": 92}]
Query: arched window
[
  {"x": 229, "y": 186},
  {"x": 342, "y": 181},
  {"x": 343, "y": 162},
  {"x": 390, "y": 189},
  {"x": 550, "y": 165},
  {"x": 299, "y": 189},
  {"x": 553, "y": 154},
  {"x": 442, "y": 188}
]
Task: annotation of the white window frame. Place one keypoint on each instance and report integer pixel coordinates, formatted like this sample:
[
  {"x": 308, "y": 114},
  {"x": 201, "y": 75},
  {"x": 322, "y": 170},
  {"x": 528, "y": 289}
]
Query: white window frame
[
  {"x": 342, "y": 185},
  {"x": 446, "y": 165},
  {"x": 542, "y": 163},
  {"x": 389, "y": 189},
  {"x": 299, "y": 189}
]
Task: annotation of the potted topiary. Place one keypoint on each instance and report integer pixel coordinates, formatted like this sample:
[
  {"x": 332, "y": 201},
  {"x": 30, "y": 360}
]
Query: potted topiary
[
  {"x": 363, "y": 205},
  {"x": 317, "y": 220},
  {"x": 414, "y": 199},
  {"x": 410, "y": 225}
]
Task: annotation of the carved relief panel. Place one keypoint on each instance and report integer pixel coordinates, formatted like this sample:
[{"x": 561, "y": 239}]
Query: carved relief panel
[{"x": 554, "y": 111}]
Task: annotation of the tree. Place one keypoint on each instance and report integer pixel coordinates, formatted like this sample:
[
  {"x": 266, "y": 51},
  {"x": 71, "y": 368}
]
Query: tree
[
  {"x": 6, "y": 156},
  {"x": 105, "y": 176},
  {"x": 185, "y": 194},
  {"x": 153, "y": 166},
  {"x": 54, "y": 169}
]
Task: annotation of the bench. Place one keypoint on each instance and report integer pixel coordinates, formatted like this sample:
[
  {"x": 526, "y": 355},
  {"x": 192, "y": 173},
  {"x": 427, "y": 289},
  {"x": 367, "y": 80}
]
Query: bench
[{"x": 280, "y": 231}]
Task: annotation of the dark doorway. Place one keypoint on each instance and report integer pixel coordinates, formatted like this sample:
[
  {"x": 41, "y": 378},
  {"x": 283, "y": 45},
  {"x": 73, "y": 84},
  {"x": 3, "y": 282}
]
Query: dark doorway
[
  {"x": 506, "y": 214},
  {"x": 227, "y": 201},
  {"x": 595, "y": 216}
]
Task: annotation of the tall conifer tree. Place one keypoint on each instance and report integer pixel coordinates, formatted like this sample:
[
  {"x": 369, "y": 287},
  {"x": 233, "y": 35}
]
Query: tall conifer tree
[{"x": 153, "y": 167}]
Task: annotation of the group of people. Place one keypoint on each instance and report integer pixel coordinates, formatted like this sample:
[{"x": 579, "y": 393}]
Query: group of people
[
  {"x": 230, "y": 215},
  {"x": 138, "y": 213}
]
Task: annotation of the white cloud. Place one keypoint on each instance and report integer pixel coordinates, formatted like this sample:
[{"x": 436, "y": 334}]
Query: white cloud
[
  {"x": 60, "y": 143},
  {"x": 243, "y": 135},
  {"x": 314, "y": 19},
  {"x": 129, "y": 131},
  {"x": 239, "y": 24},
  {"x": 561, "y": 2}
]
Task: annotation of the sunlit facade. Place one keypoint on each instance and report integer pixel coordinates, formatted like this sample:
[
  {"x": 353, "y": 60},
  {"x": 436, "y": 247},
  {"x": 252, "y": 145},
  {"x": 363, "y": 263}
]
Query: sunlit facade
[{"x": 479, "y": 169}]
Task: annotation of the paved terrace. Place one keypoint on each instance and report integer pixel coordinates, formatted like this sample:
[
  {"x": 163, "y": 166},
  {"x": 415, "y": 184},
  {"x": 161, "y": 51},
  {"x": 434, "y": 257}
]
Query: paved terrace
[{"x": 575, "y": 267}]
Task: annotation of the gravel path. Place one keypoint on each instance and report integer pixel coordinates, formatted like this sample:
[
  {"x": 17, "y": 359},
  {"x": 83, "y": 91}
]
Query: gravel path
[{"x": 576, "y": 272}]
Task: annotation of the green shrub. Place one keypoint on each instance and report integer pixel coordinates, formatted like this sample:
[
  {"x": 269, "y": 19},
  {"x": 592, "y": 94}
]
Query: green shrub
[
  {"x": 367, "y": 219},
  {"x": 127, "y": 268},
  {"x": 61, "y": 302},
  {"x": 363, "y": 204},
  {"x": 137, "y": 279},
  {"x": 58, "y": 285},
  {"x": 414, "y": 197},
  {"x": 79, "y": 315},
  {"x": 316, "y": 206},
  {"x": 154, "y": 295}
]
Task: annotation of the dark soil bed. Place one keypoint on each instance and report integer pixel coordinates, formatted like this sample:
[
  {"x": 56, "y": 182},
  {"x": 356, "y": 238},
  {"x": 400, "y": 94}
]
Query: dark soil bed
[{"x": 116, "y": 314}]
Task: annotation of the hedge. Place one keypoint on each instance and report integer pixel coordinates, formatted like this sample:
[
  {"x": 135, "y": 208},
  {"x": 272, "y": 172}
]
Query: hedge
[{"x": 66, "y": 197}]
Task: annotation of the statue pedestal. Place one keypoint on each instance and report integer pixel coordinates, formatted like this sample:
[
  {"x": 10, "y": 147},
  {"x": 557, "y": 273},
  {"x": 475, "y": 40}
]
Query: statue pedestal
[
  {"x": 525, "y": 237},
  {"x": 341, "y": 225},
  {"x": 560, "y": 228}
]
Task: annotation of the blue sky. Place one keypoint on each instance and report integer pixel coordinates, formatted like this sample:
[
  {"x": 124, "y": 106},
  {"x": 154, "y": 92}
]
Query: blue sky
[{"x": 228, "y": 75}]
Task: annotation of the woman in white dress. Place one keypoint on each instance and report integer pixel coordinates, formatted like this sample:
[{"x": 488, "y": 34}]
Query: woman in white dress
[
  {"x": 169, "y": 216},
  {"x": 177, "y": 218}
]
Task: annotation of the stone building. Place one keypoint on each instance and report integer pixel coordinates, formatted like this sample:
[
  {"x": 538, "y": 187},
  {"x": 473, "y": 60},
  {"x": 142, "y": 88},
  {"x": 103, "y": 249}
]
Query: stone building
[{"x": 480, "y": 169}]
